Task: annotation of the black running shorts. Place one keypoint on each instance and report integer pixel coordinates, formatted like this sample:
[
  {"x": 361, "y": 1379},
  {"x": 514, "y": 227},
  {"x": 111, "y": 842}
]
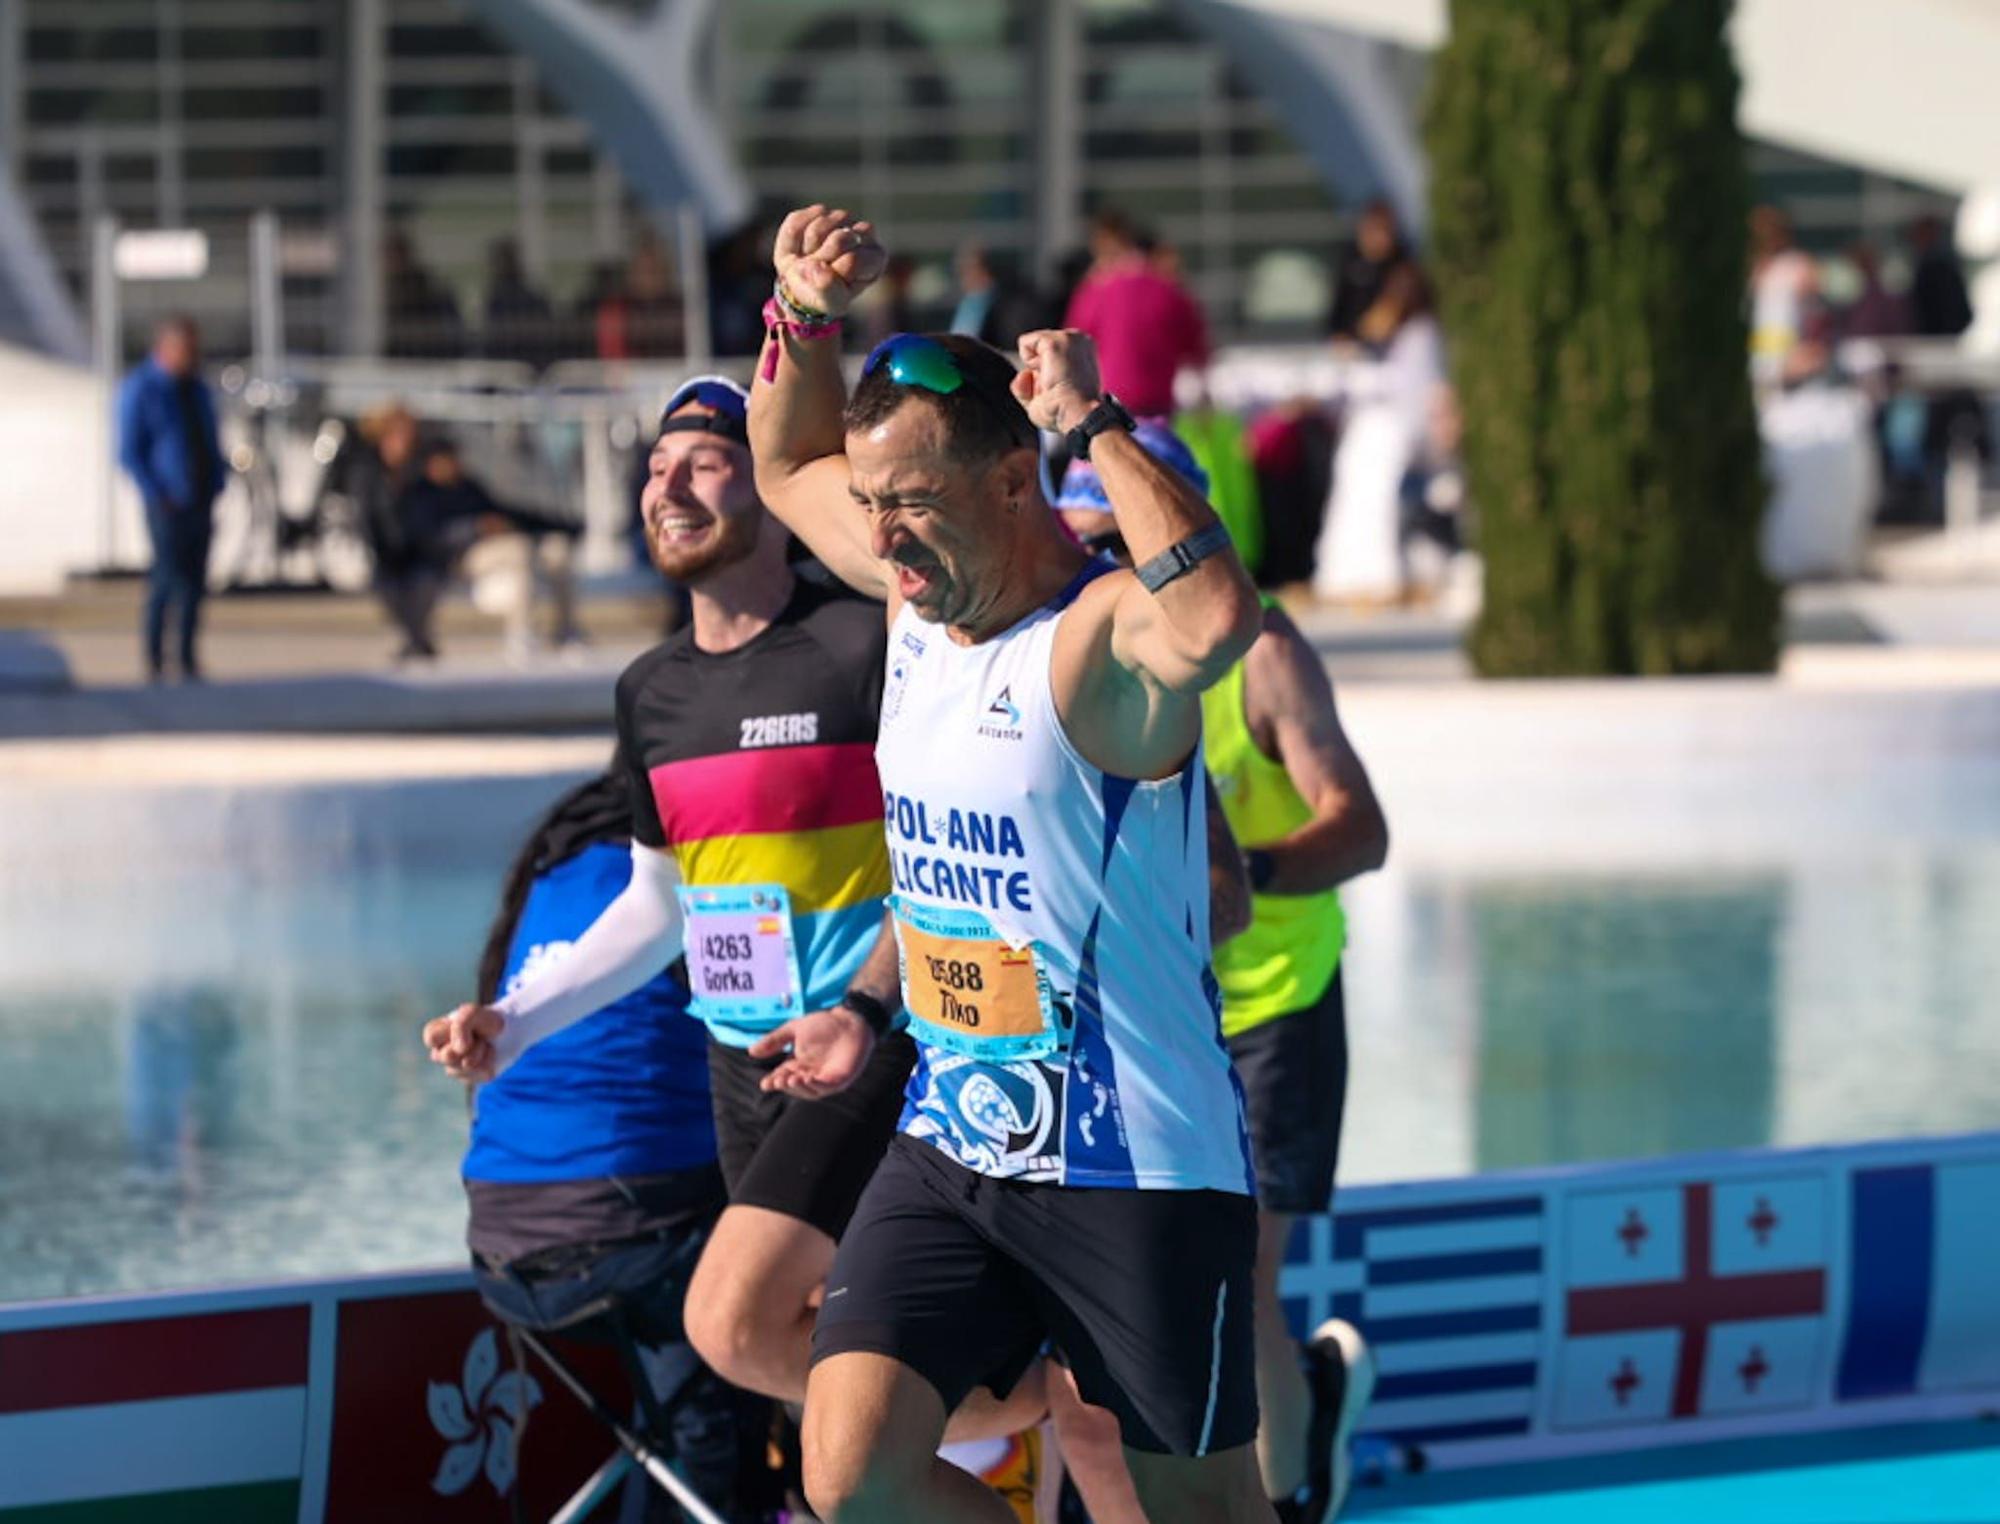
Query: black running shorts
[
  {"x": 806, "y": 1159},
  {"x": 1294, "y": 1074},
  {"x": 1145, "y": 1294}
]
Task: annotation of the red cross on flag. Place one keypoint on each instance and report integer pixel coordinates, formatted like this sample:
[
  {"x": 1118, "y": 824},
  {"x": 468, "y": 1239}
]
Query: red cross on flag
[{"x": 1704, "y": 1299}]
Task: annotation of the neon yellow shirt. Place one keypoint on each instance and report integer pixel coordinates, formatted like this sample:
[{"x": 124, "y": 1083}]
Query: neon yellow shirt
[{"x": 1288, "y": 957}]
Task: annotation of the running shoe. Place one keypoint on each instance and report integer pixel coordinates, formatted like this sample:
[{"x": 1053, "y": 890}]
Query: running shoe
[{"x": 1341, "y": 1372}]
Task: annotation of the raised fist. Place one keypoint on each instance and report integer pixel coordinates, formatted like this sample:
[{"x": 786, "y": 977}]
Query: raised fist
[
  {"x": 1057, "y": 382},
  {"x": 825, "y": 258}
]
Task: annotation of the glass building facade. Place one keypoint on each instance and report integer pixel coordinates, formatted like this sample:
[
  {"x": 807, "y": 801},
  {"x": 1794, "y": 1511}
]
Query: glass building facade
[{"x": 1004, "y": 121}]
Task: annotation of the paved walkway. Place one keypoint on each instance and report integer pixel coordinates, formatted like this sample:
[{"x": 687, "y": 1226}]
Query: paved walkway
[{"x": 70, "y": 667}]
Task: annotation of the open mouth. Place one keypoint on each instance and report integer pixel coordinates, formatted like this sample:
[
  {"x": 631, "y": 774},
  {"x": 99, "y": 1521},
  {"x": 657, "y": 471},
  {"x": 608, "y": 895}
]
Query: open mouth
[
  {"x": 911, "y": 581},
  {"x": 681, "y": 526}
]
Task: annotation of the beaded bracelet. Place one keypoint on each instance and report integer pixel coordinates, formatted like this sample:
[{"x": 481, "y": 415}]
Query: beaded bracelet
[
  {"x": 795, "y": 309},
  {"x": 778, "y": 318}
]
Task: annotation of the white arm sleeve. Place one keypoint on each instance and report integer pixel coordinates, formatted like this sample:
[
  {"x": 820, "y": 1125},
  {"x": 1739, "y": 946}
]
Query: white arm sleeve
[{"x": 637, "y": 936}]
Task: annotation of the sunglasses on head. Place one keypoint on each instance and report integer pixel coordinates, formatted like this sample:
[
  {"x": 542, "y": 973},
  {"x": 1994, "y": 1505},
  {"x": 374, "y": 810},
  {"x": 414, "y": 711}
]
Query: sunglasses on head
[{"x": 915, "y": 359}]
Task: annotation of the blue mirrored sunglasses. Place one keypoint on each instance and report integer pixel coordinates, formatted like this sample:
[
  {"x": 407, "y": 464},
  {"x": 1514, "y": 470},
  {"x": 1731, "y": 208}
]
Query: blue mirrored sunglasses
[{"x": 915, "y": 359}]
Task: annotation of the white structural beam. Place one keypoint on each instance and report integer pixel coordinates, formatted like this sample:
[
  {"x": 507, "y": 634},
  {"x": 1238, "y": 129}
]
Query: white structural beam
[{"x": 637, "y": 81}]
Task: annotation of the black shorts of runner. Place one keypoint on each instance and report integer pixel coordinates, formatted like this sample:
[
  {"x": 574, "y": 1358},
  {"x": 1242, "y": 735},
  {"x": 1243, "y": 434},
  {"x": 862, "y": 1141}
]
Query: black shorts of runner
[
  {"x": 1294, "y": 1074},
  {"x": 806, "y": 1159},
  {"x": 1146, "y": 1295}
]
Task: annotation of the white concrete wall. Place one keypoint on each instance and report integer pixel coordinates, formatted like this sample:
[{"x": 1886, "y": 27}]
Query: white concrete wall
[{"x": 55, "y": 456}]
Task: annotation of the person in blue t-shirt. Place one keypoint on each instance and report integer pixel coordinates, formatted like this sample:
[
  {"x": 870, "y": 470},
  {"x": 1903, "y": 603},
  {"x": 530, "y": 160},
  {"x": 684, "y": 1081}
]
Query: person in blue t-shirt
[{"x": 592, "y": 1170}]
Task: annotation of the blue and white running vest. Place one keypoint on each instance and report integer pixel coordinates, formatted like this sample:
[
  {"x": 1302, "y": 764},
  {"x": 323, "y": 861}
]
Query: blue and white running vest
[{"x": 1053, "y": 922}]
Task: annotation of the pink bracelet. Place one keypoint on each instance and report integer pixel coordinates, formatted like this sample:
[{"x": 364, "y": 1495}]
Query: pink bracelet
[{"x": 777, "y": 320}]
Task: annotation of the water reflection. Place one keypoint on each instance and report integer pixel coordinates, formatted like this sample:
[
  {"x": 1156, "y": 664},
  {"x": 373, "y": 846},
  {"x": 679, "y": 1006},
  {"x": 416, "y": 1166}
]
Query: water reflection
[
  {"x": 178, "y": 1044},
  {"x": 1625, "y": 1018},
  {"x": 215, "y": 1082}
]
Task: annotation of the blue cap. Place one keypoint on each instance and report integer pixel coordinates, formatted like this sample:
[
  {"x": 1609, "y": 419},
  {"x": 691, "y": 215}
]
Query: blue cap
[
  {"x": 729, "y": 402},
  {"x": 1082, "y": 488}
]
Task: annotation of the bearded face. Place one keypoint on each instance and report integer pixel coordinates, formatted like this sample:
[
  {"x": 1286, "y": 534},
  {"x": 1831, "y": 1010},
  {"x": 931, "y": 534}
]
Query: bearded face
[{"x": 700, "y": 505}]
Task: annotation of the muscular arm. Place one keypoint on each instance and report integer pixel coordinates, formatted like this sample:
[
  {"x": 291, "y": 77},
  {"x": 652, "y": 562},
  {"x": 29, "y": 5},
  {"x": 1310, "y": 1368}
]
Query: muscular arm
[
  {"x": 796, "y": 436},
  {"x": 1187, "y": 635},
  {"x": 1288, "y": 703},
  {"x": 880, "y": 976},
  {"x": 1181, "y": 639},
  {"x": 799, "y": 446}
]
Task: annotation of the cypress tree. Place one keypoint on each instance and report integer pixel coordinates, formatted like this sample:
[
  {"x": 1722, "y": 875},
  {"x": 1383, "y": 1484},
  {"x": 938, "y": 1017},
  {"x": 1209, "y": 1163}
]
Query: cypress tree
[{"x": 1590, "y": 202}]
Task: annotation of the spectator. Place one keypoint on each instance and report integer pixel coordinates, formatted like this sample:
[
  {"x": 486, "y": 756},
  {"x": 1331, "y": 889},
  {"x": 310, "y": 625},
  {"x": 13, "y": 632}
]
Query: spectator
[
  {"x": 422, "y": 317},
  {"x": 1939, "y": 304},
  {"x": 989, "y": 309},
  {"x": 167, "y": 441},
  {"x": 1291, "y": 449},
  {"x": 739, "y": 278},
  {"x": 1359, "y": 560},
  {"x": 1146, "y": 325},
  {"x": 1877, "y": 312},
  {"x": 1784, "y": 285},
  {"x": 1070, "y": 273},
  {"x": 518, "y": 322},
  {"x": 644, "y": 320},
  {"x": 1362, "y": 265},
  {"x": 410, "y": 570},
  {"x": 601, "y": 311},
  {"x": 506, "y": 552},
  {"x": 591, "y": 1179}
]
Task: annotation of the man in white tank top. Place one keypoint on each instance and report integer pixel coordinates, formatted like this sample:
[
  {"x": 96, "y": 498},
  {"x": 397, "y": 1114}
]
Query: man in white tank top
[{"x": 1073, "y": 1168}]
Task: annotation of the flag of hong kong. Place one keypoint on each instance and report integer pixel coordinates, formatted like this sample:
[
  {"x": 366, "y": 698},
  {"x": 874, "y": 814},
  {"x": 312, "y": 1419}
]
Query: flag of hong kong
[
  {"x": 433, "y": 1422},
  {"x": 1705, "y": 1299}
]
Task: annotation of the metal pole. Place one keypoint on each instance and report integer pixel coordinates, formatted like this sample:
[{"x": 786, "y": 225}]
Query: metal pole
[
  {"x": 699, "y": 342},
  {"x": 1059, "y": 138},
  {"x": 105, "y": 356},
  {"x": 634, "y": 1446},
  {"x": 365, "y": 109},
  {"x": 267, "y": 301},
  {"x": 531, "y": 202},
  {"x": 168, "y": 168}
]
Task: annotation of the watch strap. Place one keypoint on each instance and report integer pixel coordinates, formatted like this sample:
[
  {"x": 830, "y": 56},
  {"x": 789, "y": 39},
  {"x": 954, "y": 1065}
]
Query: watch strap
[
  {"x": 1109, "y": 414},
  {"x": 878, "y": 1016},
  {"x": 1183, "y": 556}
]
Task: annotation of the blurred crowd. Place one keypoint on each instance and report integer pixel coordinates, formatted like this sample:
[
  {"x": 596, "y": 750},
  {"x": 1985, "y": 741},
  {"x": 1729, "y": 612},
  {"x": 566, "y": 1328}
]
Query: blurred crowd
[
  {"x": 1355, "y": 497},
  {"x": 1850, "y": 438},
  {"x": 1802, "y": 306}
]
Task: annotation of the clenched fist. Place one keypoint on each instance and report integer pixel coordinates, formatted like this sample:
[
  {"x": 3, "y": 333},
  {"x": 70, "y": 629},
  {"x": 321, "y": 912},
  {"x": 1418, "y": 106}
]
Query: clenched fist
[
  {"x": 465, "y": 1042},
  {"x": 1057, "y": 382},
  {"x": 825, "y": 258}
]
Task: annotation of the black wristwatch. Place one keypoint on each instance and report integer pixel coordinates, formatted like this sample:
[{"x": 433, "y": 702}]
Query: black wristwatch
[
  {"x": 1260, "y": 867},
  {"x": 1109, "y": 413},
  {"x": 869, "y": 1009}
]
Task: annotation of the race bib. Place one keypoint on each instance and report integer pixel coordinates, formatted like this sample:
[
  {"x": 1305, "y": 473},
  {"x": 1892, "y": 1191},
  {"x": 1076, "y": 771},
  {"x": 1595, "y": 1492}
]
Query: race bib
[
  {"x": 969, "y": 990},
  {"x": 742, "y": 963}
]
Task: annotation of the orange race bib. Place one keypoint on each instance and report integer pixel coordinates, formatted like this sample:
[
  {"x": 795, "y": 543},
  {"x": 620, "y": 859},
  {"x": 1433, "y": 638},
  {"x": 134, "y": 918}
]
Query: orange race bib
[{"x": 969, "y": 990}]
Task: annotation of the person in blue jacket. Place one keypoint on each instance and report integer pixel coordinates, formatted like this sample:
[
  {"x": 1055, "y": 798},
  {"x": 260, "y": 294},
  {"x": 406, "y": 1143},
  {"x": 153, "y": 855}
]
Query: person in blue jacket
[
  {"x": 168, "y": 444},
  {"x": 592, "y": 1177}
]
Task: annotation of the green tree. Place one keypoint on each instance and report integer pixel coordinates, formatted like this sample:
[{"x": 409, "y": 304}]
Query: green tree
[{"x": 1590, "y": 200}]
